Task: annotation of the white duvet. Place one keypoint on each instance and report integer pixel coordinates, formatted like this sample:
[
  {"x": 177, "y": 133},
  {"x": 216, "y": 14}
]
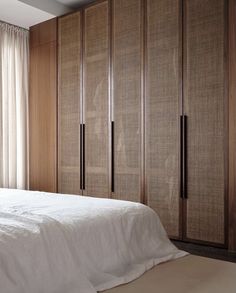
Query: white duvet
[{"x": 74, "y": 244}]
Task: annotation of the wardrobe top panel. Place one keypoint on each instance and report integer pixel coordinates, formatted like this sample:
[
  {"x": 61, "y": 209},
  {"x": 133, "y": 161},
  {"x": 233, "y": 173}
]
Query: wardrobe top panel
[{"x": 43, "y": 33}]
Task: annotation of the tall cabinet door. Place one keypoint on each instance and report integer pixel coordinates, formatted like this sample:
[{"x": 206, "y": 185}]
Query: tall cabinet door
[
  {"x": 163, "y": 101},
  {"x": 204, "y": 105},
  {"x": 69, "y": 119},
  {"x": 43, "y": 107},
  {"x": 127, "y": 98},
  {"x": 95, "y": 99}
]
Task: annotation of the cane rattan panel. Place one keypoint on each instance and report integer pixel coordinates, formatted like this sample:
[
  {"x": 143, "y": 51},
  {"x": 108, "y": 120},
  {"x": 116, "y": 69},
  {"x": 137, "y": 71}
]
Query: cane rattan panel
[
  {"x": 96, "y": 106},
  {"x": 162, "y": 111},
  {"x": 127, "y": 56},
  {"x": 204, "y": 104},
  {"x": 69, "y": 104}
]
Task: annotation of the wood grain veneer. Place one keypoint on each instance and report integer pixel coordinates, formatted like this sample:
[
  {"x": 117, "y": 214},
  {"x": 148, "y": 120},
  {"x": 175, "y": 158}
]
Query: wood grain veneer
[
  {"x": 43, "y": 107},
  {"x": 43, "y": 33}
]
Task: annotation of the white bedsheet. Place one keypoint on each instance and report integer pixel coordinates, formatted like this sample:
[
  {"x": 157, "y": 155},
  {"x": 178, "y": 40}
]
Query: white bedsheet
[{"x": 74, "y": 244}]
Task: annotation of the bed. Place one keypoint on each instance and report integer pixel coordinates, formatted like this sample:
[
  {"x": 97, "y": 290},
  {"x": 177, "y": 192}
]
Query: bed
[{"x": 53, "y": 243}]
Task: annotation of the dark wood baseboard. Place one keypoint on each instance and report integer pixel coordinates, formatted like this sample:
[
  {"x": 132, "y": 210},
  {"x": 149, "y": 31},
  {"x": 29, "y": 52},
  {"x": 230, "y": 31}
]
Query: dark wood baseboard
[{"x": 206, "y": 251}]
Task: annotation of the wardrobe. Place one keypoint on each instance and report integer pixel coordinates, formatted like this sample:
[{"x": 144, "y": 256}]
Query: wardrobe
[
  {"x": 186, "y": 117},
  {"x": 145, "y": 110},
  {"x": 100, "y": 117},
  {"x": 83, "y": 105}
]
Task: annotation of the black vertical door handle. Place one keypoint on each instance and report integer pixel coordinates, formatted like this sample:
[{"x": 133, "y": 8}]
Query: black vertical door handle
[
  {"x": 185, "y": 156},
  {"x": 112, "y": 158},
  {"x": 181, "y": 158},
  {"x": 81, "y": 157}
]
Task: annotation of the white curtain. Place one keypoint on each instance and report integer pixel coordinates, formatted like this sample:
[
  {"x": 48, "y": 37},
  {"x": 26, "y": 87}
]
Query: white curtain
[{"x": 14, "y": 52}]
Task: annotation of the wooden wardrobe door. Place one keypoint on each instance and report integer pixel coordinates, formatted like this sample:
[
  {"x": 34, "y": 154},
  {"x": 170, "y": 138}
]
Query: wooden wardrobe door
[
  {"x": 127, "y": 58},
  {"x": 95, "y": 99},
  {"x": 163, "y": 101},
  {"x": 43, "y": 107},
  {"x": 205, "y": 106},
  {"x": 69, "y": 104}
]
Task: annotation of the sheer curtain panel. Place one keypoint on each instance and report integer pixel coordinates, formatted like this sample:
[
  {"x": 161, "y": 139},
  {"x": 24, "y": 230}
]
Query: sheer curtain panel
[{"x": 14, "y": 53}]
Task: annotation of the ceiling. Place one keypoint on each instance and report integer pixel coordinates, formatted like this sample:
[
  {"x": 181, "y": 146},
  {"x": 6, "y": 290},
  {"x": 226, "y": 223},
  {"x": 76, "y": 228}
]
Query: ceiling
[{"x": 25, "y": 13}]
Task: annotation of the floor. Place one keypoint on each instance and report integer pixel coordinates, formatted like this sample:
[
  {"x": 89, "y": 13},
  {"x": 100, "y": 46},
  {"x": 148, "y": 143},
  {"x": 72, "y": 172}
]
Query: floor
[
  {"x": 189, "y": 274},
  {"x": 211, "y": 252}
]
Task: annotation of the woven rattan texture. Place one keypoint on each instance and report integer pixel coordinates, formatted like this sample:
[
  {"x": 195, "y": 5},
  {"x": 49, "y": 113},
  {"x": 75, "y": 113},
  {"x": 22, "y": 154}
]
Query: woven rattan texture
[
  {"x": 69, "y": 104},
  {"x": 162, "y": 111},
  {"x": 205, "y": 107},
  {"x": 127, "y": 36},
  {"x": 162, "y": 114},
  {"x": 96, "y": 106}
]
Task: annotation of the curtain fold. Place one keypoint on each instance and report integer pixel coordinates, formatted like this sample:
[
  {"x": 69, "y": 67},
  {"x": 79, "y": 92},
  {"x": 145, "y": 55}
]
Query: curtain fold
[{"x": 14, "y": 56}]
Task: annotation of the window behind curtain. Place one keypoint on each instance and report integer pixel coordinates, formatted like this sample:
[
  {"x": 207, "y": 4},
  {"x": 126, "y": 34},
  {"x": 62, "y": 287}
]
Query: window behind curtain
[{"x": 13, "y": 106}]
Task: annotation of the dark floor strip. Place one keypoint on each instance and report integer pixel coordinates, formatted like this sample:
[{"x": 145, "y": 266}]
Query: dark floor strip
[{"x": 206, "y": 251}]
